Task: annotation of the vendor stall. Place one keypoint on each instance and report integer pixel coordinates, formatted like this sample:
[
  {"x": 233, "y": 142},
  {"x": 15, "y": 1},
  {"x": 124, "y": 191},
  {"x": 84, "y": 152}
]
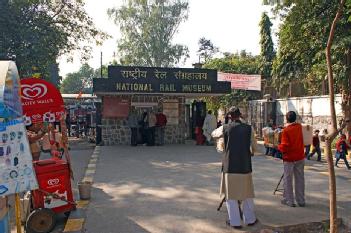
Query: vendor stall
[{"x": 43, "y": 108}]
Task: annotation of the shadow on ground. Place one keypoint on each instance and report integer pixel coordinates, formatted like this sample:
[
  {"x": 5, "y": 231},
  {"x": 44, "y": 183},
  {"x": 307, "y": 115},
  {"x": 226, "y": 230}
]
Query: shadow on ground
[{"x": 175, "y": 189}]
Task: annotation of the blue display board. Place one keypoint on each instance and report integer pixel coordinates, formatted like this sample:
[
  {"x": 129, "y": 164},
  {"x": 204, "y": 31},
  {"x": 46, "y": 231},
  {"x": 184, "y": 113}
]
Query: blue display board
[
  {"x": 4, "y": 224},
  {"x": 16, "y": 168},
  {"x": 10, "y": 91}
]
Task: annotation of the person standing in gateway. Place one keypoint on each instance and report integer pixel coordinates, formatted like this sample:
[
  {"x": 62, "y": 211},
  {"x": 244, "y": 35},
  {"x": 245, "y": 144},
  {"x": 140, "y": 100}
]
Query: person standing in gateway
[
  {"x": 133, "y": 125},
  {"x": 210, "y": 124},
  {"x": 292, "y": 147},
  {"x": 236, "y": 184},
  {"x": 161, "y": 121}
]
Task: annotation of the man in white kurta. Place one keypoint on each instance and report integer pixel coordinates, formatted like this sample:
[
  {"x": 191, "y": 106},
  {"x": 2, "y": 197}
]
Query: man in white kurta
[
  {"x": 236, "y": 183},
  {"x": 210, "y": 124}
]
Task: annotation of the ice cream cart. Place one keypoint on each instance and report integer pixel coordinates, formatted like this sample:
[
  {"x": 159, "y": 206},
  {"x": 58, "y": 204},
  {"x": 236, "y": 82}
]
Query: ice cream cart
[{"x": 43, "y": 104}]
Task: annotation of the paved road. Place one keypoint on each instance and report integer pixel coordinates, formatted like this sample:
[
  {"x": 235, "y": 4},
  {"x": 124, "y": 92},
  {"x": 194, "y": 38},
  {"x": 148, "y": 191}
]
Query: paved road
[
  {"x": 80, "y": 155},
  {"x": 175, "y": 189}
]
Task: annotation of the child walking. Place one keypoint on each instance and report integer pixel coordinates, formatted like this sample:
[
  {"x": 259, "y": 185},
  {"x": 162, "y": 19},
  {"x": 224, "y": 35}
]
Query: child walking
[{"x": 341, "y": 151}]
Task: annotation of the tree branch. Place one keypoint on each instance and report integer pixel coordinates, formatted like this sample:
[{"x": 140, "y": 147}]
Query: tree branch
[
  {"x": 329, "y": 65},
  {"x": 63, "y": 4}
]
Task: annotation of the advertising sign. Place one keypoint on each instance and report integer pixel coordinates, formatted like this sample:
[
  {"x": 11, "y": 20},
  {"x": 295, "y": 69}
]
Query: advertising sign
[
  {"x": 241, "y": 81},
  {"x": 115, "y": 107},
  {"x": 16, "y": 169},
  {"x": 41, "y": 101}
]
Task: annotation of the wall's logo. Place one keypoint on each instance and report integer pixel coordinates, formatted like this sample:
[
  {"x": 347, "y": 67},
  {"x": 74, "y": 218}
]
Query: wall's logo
[
  {"x": 53, "y": 182},
  {"x": 35, "y": 91},
  {"x": 36, "y": 117}
]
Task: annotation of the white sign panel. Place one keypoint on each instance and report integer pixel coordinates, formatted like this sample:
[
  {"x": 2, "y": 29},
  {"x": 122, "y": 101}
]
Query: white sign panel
[
  {"x": 171, "y": 110},
  {"x": 241, "y": 81}
]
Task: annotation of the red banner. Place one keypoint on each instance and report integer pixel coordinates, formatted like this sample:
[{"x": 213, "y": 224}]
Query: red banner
[
  {"x": 241, "y": 81},
  {"x": 41, "y": 101}
]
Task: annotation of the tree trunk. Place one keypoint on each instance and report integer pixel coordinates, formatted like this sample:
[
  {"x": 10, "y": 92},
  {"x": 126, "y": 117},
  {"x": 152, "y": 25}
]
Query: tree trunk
[
  {"x": 333, "y": 133},
  {"x": 347, "y": 99},
  {"x": 332, "y": 185}
]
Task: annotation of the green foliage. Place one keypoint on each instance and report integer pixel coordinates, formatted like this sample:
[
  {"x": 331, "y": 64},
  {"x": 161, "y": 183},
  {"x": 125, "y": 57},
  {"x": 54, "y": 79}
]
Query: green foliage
[
  {"x": 243, "y": 63},
  {"x": 148, "y": 27},
  {"x": 303, "y": 37},
  {"x": 206, "y": 49},
  {"x": 267, "y": 46},
  {"x": 81, "y": 81},
  {"x": 37, "y": 32}
]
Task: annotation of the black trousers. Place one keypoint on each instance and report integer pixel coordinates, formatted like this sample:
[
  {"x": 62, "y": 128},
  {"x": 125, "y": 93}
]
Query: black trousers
[
  {"x": 134, "y": 136},
  {"x": 151, "y": 136},
  {"x": 343, "y": 156},
  {"x": 318, "y": 151}
]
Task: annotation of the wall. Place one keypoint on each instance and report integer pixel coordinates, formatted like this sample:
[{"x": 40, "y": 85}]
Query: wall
[
  {"x": 312, "y": 110},
  {"x": 115, "y": 131}
]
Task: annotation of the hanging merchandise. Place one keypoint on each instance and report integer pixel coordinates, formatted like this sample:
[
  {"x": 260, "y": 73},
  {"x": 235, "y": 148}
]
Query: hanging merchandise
[{"x": 41, "y": 101}]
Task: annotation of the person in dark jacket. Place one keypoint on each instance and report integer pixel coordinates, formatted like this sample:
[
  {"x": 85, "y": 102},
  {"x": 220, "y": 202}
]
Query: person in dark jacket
[
  {"x": 161, "y": 122},
  {"x": 341, "y": 151},
  {"x": 292, "y": 147},
  {"x": 316, "y": 146},
  {"x": 237, "y": 184}
]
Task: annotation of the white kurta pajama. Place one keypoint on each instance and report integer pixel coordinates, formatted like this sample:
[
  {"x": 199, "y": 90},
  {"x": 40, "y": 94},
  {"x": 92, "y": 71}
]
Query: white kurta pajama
[
  {"x": 210, "y": 124},
  {"x": 237, "y": 187}
]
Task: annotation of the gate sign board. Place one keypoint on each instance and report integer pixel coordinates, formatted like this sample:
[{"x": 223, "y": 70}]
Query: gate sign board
[
  {"x": 41, "y": 101},
  {"x": 242, "y": 81},
  {"x": 137, "y": 79}
]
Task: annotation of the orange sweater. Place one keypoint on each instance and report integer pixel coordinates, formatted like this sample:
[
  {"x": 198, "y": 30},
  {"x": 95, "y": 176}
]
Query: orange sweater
[{"x": 292, "y": 143}]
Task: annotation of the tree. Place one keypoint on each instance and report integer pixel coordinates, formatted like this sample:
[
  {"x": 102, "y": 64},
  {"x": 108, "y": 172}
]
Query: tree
[
  {"x": 267, "y": 46},
  {"x": 310, "y": 56},
  {"x": 206, "y": 49},
  {"x": 332, "y": 135},
  {"x": 39, "y": 31},
  {"x": 303, "y": 36},
  {"x": 81, "y": 81},
  {"x": 148, "y": 27}
]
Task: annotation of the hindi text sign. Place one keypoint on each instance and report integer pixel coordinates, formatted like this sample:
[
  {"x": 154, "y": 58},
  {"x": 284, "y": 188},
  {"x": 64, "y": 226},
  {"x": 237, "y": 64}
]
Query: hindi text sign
[{"x": 241, "y": 81}]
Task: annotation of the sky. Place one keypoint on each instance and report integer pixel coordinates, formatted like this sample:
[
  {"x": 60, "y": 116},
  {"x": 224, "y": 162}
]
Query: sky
[{"x": 231, "y": 25}]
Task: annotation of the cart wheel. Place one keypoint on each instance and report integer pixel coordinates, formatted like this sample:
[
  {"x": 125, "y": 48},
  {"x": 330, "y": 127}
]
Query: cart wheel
[{"x": 41, "y": 221}]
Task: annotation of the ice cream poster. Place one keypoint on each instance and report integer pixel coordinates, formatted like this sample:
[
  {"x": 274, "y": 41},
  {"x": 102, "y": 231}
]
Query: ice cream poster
[{"x": 16, "y": 168}]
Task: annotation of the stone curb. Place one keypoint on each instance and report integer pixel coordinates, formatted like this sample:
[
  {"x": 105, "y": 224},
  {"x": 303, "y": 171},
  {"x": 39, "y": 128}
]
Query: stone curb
[{"x": 76, "y": 219}]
